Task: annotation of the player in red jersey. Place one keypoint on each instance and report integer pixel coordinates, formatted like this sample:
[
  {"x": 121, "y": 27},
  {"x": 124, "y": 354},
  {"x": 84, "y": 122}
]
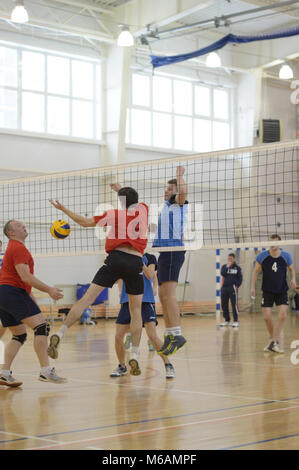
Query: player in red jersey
[
  {"x": 18, "y": 307},
  {"x": 125, "y": 245}
]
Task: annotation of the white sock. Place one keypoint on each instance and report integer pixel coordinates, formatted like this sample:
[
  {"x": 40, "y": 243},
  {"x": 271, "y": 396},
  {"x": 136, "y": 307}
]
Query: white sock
[
  {"x": 135, "y": 350},
  {"x": 62, "y": 330},
  {"x": 5, "y": 372},
  {"x": 46, "y": 370},
  {"x": 175, "y": 330}
]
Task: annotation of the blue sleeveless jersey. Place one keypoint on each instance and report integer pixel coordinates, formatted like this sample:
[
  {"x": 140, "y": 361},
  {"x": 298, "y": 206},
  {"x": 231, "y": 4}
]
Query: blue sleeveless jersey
[
  {"x": 171, "y": 223},
  {"x": 274, "y": 271},
  {"x": 148, "y": 294}
]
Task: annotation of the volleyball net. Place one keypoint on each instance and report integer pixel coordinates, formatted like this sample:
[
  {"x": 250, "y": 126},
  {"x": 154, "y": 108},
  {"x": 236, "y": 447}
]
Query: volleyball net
[{"x": 237, "y": 198}]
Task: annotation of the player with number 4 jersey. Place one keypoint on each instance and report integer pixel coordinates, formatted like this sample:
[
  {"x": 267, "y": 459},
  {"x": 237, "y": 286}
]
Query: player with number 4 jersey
[{"x": 273, "y": 264}]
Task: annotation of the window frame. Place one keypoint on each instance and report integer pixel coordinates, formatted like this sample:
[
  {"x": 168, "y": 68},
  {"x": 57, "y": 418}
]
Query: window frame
[
  {"x": 95, "y": 101},
  {"x": 211, "y": 118}
]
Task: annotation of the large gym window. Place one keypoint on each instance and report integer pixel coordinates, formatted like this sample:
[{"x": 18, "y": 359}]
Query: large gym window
[
  {"x": 47, "y": 93},
  {"x": 173, "y": 113}
]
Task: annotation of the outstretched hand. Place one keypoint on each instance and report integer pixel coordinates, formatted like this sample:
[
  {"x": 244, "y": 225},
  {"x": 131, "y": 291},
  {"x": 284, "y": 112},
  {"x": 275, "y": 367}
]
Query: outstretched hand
[
  {"x": 56, "y": 204},
  {"x": 56, "y": 293},
  {"x": 115, "y": 187}
]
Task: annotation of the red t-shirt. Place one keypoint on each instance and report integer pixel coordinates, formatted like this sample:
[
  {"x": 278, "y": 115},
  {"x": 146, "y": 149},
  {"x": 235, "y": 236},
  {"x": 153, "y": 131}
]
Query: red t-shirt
[
  {"x": 128, "y": 227},
  {"x": 15, "y": 253}
]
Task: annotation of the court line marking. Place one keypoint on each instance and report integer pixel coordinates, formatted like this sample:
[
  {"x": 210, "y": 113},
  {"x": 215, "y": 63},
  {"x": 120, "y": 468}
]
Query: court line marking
[
  {"x": 197, "y": 392},
  {"x": 109, "y": 426},
  {"x": 23, "y": 436},
  {"x": 176, "y": 426},
  {"x": 150, "y": 420},
  {"x": 261, "y": 442}
]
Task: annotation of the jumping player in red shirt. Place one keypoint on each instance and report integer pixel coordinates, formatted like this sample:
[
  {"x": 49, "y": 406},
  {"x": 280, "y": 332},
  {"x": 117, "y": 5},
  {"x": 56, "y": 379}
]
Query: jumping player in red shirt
[
  {"x": 125, "y": 245},
  {"x": 18, "y": 307}
]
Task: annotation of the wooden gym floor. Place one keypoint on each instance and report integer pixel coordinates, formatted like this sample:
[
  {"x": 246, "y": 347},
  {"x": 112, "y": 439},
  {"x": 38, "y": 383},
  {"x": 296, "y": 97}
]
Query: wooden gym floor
[{"x": 227, "y": 394}]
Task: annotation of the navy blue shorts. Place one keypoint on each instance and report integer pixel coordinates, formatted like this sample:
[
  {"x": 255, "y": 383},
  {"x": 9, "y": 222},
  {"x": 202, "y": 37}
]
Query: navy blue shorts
[
  {"x": 269, "y": 298},
  {"x": 169, "y": 266},
  {"x": 15, "y": 305},
  {"x": 148, "y": 312}
]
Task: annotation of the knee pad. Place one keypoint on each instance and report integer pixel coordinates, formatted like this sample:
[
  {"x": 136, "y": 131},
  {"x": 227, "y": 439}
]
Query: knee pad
[
  {"x": 20, "y": 338},
  {"x": 42, "y": 330}
]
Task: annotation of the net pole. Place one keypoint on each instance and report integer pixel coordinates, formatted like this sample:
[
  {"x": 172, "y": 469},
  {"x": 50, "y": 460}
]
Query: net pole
[{"x": 218, "y": 286}]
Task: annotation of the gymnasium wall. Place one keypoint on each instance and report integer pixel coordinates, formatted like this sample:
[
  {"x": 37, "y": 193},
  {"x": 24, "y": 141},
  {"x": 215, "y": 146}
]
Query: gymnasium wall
[
  {"x": 276, "y": 104},
  {"x": 46, "y": 155},
  {"x": 34, "y": 154}
]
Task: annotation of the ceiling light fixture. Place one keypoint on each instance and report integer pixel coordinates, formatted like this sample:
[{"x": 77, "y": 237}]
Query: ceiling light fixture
[
  {"x": 286, "y": 72},
  {"x": 213, "y": 60},
  {"x": 125, "y": 39},
  {"x": 19, "y": 13}
]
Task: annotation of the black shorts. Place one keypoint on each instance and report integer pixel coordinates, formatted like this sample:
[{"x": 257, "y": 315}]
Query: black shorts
[
  {"x": 268, "y": 299},
  {"x": 169, "y": 266},
  {"x": 148, "y": 313},
  {"x": 120, "y": 265},
  {"x": 15, "y": 305}
]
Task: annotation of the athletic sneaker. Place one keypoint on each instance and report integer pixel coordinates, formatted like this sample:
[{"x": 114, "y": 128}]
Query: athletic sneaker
[
  {"x": 172, "y": 344},
  {"x": 134, "y": 364},
  {"x": 225, "y": 323},
  {"x": 53, "y": 346},
  {"x": 119, "y": 371},
  {"x": 151, "y": 347},
  {"x": 51, "y": 377},
  {"x": 128, "y": 341},
  {"x": 235, "y": 324},
  {"x": 266, "y": 349},
  {"x": 274, "y": 347},
  {"x": 165, "y": 344},
  {"x": 9, "y": 380},
  {"x": 170, "y": 374}
]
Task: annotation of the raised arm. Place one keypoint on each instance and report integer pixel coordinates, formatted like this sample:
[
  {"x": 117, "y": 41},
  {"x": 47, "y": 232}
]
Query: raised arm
[
  {"x": 115, "y": 187},
  {"x": 182, "y": 186},
  {"x": 79, "y": 219}
]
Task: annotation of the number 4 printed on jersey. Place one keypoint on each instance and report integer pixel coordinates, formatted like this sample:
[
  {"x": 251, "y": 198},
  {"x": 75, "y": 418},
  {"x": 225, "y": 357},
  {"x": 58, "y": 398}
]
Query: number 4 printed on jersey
[{"x": 274, "y": 267}]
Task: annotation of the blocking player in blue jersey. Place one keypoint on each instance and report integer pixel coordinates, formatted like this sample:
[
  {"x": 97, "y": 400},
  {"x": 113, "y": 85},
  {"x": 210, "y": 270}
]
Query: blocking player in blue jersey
[
  {"x": 149, "y": 319},
  {"x": 170, "y": 233},
  {"x": 274, "y": 264}
]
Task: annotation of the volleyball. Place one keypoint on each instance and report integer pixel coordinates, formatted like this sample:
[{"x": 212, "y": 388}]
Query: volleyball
[{"x": 60, "y": 229}]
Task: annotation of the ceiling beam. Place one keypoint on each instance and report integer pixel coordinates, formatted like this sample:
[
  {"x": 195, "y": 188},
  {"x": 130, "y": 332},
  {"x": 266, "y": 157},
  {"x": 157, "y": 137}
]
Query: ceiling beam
[
  {"x": 223, "y": 18},
  {"x": 177, "y": 17},
  {"x": 64, "y": 28},
  {"x": 85, "y": 5}
]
